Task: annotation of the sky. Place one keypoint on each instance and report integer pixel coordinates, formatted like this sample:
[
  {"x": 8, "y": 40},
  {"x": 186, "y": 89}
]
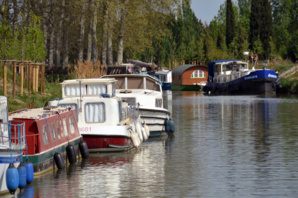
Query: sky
[{"x": 206, "y": 9}]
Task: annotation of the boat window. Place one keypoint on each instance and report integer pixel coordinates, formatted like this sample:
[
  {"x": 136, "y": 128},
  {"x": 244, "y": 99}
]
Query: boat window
[
  {"x": 86, "y": 89},
  {"x": 135, "y": 83},
  {"x": 72, "y": 105},
  {"x": 95, "y": 112},
  {"x": 45, "y": 136},
  {"x": 152, "y": 85},
  {"x": 53, "y": 131},
  {"x": 158, "y": 102},
  {"x": 65, "y": 127},
  {"x": 120, "y": 84},
  {"x": 58, "y": 129},
  {"x": 71, "y": 125}
]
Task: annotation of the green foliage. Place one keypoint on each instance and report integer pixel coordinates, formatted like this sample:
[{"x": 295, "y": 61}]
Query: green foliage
[
  {"x": 230, "y": 23},
  {"x": 257, "y": 46}
]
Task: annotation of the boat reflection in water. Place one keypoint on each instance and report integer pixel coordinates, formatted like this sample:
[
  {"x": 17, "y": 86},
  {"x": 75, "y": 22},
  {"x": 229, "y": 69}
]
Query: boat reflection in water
[{"x": 107, "y": 175}]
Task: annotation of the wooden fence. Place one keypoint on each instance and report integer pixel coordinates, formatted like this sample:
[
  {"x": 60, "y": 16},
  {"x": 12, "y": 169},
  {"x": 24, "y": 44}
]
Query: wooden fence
[{"x": 31, "y": 76}]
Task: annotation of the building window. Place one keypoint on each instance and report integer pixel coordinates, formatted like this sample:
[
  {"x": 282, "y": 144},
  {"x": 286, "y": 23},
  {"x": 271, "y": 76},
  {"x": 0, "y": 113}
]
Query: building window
[{"x": 198, "y": 74}]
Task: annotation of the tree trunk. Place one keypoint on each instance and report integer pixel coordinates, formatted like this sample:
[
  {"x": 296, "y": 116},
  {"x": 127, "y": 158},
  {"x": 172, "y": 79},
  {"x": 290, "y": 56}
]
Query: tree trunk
[
  {"x": 89, "y": 43},
  {"x": 94, "y": 37},
  {"x": 104, "y": 36},
  {"x": 110, "y": 42},
  {"x": 82, "y": 32},
  {"x": 121, "y": 37},
  {"x": 65, "y": 35},
  {"x": 58, "y": 38},
  {"x": 51, "y": 48}
]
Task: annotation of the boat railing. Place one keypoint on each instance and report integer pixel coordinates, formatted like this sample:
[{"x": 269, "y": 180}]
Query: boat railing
[
  {"x": 12, "y": 135},
  {"x": 130, "y": 112}
]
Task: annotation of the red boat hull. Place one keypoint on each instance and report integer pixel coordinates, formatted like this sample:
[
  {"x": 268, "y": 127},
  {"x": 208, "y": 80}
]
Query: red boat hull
[{"x": 97, "y": 143}]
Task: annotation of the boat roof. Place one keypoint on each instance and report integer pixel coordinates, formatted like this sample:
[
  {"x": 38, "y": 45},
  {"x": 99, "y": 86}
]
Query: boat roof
[
  {"x": 89, "y": 80},
  {"x": 37, "y": 113},
  {"x": 130, "y": 76},
  {"x": 211, "y": 63},
  {"x": 163, "y": 72}
]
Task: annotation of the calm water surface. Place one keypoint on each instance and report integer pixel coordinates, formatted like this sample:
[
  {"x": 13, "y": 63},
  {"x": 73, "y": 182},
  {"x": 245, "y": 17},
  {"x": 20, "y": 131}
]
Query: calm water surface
[{"x": 224, "y": 146}]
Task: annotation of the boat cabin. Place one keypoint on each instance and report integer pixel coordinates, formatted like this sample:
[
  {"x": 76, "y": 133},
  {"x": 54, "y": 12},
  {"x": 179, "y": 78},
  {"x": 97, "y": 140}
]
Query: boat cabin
[
  {"x": 88, "y": 87},
  {"x": 222, "y": 71},
  {"x": 47, "y": 127},
  {"x": 10, "y": 132},
  {"x": 132, "y": 82},
  {"x": 165, "y": 76}
]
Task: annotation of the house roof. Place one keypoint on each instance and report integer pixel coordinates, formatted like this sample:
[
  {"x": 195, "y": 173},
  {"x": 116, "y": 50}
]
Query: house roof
[{"x": 182, "y": 68}]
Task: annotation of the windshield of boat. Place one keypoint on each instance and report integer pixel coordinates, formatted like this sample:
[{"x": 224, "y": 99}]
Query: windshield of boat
[{"x": 137, "y": 83}]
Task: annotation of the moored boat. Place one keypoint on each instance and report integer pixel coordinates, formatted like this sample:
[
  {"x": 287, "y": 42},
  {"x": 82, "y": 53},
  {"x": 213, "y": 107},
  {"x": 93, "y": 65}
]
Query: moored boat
[
  {"x": 165, "y": 76},
  {"x": 49, "y": 131},
  {"x": 145, "y": 91},
  {"x": 106, "y": 123},
  {"x": 12, "y": 144},
  {"x": 232, "y": 77}
]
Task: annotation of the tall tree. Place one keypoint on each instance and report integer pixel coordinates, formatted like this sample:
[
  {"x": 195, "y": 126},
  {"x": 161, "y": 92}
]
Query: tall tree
[
  {"x": 82, "y": 31},
  {"x": 266, "y": 29},
  {"x": 255, "y": 22},
  {"x": 230, "y": 23}
]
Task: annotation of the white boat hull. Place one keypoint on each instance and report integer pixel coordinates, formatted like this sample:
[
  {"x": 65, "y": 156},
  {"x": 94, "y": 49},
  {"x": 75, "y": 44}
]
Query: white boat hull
[
  {"x": 5, "y": 159},
  {"x": 155, "y": 119}
]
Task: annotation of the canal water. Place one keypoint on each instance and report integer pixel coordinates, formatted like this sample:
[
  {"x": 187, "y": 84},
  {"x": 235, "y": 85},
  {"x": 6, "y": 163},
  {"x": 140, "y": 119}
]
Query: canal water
[{"x": 224, "y": 146}]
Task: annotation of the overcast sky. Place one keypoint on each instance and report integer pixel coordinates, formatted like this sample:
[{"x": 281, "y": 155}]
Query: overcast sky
[{"x": 206, "y": 9}]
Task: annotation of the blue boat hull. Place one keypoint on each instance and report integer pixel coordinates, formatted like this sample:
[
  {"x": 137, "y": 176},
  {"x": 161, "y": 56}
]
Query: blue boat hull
[
  {"x": 166, "y": 86},
  {"x": 260, "y": 82}
]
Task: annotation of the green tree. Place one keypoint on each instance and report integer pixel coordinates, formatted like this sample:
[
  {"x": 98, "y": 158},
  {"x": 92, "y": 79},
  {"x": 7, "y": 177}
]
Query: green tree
[
  {"x": 266, "y": 27},
  {"x": 255, "y": 22},
  {"x": 230, "y": 23}
]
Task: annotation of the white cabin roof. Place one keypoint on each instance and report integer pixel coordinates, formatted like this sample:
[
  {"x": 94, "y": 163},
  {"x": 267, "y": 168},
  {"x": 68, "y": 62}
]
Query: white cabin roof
[
  {"x": 89, "y": 80},
  {"x": 37, "y": 113}
]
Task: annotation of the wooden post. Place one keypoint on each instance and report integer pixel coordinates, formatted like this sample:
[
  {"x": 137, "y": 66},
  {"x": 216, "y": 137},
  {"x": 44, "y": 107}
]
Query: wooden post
[
  {"x": 21, "y": 69},
  {"x": 29, "y": 79},
  {"x": 4, "y": 79},
  {"x": 33, "y": 77},
  {"x": 27, "y": 74},
  {"x": 37, "y": 78},
  {"x": 14, "y": 67},
  {"x": 42, "y": 70}
]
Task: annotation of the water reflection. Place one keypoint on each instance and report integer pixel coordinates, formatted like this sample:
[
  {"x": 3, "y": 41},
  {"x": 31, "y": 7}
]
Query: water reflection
[{"x": 227, "y": 146}]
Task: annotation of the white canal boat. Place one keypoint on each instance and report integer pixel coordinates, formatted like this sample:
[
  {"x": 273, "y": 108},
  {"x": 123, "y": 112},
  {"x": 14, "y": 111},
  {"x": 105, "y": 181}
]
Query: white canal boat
[
  {"x": 105, "y": 122},
  {"x": 145, "y": 91}
]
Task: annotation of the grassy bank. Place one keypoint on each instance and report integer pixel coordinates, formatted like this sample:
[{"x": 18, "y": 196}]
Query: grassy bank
[{"x": 52, "y": 90}]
